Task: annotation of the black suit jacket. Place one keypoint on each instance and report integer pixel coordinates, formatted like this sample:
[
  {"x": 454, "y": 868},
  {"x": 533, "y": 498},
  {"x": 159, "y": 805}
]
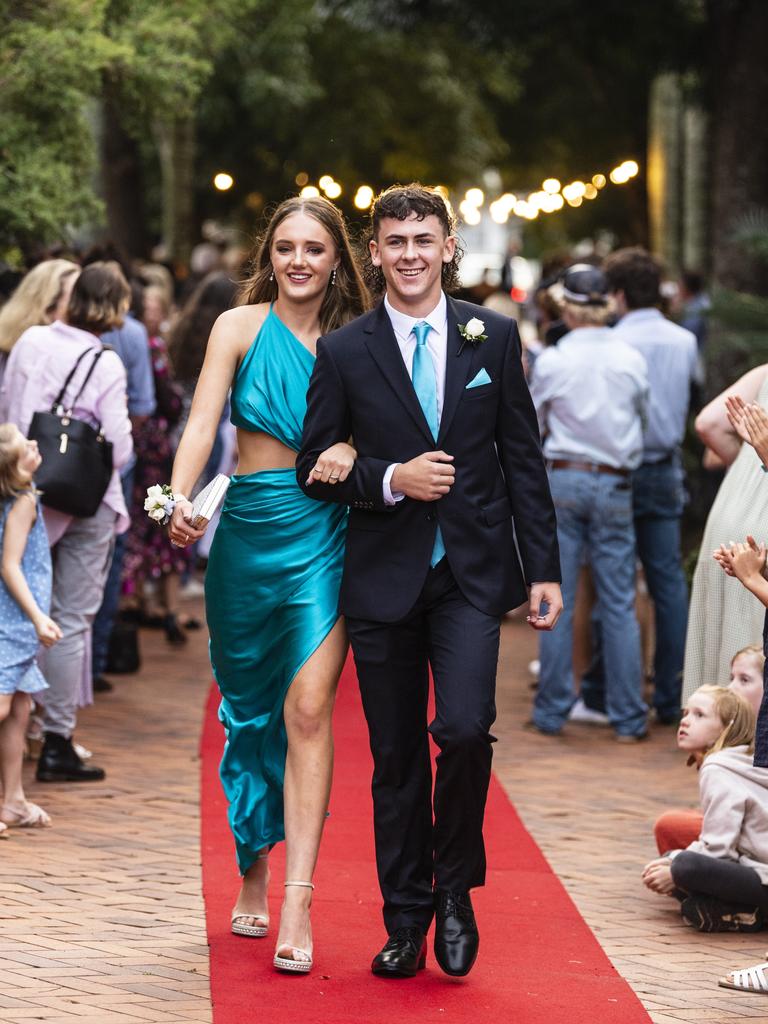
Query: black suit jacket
[{"x": 361, "y": 388}]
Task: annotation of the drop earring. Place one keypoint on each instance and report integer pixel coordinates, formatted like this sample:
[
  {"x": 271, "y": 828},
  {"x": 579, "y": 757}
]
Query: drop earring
[
  {"x": 333, "y": 276},
  {"x": 271, "y": 275}
]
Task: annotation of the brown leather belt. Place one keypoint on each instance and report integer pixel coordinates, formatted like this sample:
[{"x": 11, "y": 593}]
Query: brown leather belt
[{"x": 588, "y": 467}]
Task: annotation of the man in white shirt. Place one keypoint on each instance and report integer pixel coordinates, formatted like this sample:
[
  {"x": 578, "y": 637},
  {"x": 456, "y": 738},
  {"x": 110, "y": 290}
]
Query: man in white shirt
[
  {"x": 590, "y": 393},
  {"x": 433, "y": 392}
]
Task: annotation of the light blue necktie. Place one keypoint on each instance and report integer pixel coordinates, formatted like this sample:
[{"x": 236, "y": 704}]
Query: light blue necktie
[{"x": 425, "y": 386}]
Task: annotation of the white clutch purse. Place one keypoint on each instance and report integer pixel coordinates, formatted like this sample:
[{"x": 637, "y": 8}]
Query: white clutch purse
[{"x": 208, "y": 501}]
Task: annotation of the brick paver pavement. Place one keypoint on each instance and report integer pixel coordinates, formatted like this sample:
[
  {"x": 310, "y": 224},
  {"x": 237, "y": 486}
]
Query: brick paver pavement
[{"x": 102, "y": 917}]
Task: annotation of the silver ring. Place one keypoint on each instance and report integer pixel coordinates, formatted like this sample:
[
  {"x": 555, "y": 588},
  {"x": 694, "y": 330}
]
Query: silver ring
[{"x": 333, "y": 478}]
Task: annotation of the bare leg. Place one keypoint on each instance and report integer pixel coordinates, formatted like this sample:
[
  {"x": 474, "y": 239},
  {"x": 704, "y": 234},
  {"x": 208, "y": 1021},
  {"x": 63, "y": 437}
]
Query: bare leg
[
  {"x": 14, "y": 718},
  {"x": 308, "y": 772}
]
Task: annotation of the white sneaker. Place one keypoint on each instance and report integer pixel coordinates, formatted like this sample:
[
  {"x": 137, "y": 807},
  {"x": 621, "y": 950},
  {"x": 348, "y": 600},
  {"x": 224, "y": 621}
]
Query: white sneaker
[
  {"x": 192, "y": 588},
  {"x": 581, "y": 713}
]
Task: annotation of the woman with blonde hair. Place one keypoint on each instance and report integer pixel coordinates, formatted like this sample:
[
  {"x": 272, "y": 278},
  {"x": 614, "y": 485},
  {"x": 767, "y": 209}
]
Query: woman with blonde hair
[
  {"x": 40, "y": 298},
  {"x": 272, "y": 585}
]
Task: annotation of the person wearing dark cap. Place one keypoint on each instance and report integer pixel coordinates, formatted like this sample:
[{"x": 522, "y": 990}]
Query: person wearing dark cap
[{"x": 591, "y": 393}]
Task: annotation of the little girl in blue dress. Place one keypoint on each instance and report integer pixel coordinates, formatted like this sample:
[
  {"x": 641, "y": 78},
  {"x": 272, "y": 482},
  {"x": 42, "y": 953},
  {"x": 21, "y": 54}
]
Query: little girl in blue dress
[{"x": 25, "y": 595}]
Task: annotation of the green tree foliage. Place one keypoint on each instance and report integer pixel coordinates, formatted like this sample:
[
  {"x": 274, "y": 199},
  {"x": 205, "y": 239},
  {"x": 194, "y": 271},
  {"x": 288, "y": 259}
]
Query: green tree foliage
[{"x": 51, "y": 57}]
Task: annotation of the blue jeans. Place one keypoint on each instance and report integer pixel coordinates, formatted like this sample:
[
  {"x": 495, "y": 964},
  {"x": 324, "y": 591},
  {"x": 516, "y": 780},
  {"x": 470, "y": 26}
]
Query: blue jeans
[
  {"x": 658, "y": 499},
  {"x": 594, "y": 519},
  {"x": 110, "y": 602}
]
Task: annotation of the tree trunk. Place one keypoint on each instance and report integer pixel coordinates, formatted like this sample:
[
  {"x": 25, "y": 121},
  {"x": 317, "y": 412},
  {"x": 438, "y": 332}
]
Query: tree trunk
[
  {"x": 176, "y": 148},
  {"x": 122, "y": 181},
  {"x": 664, "y": 168},
  {"x": 739, "y": 84}
]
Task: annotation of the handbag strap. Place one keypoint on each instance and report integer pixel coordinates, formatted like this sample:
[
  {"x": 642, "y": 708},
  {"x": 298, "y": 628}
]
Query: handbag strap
[{"x": 97, "y": 356}]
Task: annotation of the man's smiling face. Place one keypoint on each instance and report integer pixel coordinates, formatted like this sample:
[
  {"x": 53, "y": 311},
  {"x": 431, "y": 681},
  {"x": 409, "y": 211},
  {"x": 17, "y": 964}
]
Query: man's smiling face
[{"x": 411, "y": 254}]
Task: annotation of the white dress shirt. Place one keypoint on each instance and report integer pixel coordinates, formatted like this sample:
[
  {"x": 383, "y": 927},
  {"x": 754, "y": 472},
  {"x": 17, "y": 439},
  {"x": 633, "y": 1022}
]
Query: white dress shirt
[
  {"x": 437, "y": 346},
  {"x": 591, "y": 393}
]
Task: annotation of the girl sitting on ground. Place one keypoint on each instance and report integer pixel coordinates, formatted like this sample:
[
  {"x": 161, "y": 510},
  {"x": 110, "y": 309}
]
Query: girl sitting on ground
[
  {"x": 25, "y": 594},
  {"x": 674, "y": 830},
  {"x": 721, "y": 879}
]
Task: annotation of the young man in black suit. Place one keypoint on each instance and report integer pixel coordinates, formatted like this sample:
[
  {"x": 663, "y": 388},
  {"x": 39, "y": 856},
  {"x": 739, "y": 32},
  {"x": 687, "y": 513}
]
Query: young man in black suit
[{"x": 448, "y": 496}]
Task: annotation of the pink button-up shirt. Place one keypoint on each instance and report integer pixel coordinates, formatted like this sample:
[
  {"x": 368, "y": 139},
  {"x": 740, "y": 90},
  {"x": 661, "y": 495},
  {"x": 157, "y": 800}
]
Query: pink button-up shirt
[{"x": 37, "y": 367}]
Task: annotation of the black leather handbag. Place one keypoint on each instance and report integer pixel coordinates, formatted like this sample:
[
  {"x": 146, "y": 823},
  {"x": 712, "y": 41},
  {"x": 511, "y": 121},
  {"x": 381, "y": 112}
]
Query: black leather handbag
[{"x": 77, "y": 459}]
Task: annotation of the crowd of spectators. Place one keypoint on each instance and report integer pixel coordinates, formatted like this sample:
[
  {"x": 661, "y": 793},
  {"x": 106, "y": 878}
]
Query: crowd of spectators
[{"x": 129, "y": 341}]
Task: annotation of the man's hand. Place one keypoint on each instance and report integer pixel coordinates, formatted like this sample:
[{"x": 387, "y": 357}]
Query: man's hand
[
  {"x": 425, "y": 478},
  {"x": 544, "y": 593}
]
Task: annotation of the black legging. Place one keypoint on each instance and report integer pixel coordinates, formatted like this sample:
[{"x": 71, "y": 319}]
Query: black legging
[{"x": 700, "y": 875}]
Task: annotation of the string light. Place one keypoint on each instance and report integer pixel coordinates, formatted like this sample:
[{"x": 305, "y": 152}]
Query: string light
[
  {"x": 223, "y": 181},
  {"x": 309, "y": 192},
  {"x": 363, "y": 197}
]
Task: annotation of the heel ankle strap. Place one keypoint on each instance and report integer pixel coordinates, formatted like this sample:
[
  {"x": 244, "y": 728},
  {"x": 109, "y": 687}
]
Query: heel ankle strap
[{"x": 307, "y": 885}]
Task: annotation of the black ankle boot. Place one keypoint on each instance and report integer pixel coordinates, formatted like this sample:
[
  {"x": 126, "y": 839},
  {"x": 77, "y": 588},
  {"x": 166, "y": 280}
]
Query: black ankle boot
[
  {"x": 59, "y": 762},
  {"x": 173, "y": 632}
]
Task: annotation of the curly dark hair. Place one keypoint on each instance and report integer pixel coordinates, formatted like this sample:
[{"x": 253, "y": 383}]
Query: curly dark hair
[
  {"x": 399, "y": 202},
  {"x": 637, "y": 273}
]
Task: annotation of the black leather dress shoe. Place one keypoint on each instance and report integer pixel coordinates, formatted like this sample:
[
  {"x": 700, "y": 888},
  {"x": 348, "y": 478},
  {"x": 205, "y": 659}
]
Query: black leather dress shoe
[
  {"x": 404, "y": 954},
  {"x": 59, "y": 762},
  {"x": 456, "y": 935}
]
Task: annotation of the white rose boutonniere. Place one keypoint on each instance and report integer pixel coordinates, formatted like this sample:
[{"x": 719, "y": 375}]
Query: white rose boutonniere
[{"x": 473, "y": 332}]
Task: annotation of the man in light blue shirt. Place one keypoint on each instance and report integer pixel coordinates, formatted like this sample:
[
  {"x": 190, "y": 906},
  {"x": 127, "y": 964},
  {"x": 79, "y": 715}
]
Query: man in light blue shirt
[
  {"x": 590, "y": 393},
  {"x": 671, "y": 356}
]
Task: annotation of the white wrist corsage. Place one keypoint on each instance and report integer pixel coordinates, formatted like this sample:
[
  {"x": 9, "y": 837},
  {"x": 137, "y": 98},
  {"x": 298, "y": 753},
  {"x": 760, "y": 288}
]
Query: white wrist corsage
[{"x": 160, "y": 503}]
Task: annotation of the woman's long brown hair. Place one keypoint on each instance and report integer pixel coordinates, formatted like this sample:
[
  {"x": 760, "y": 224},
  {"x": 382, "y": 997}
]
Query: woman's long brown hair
[{"x": 345, "y": 299}]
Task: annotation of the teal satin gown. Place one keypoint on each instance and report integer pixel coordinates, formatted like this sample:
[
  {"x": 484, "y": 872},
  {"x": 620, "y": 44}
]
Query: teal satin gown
[{"x": 271, "y": 589}]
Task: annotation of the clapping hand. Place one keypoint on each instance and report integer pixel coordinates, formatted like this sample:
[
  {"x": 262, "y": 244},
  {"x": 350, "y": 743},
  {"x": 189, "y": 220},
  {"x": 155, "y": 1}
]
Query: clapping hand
[
  {"x": 657, "y": 876},
  {"x": 750, "y": 422},
  {"x": 744, "y": 561}
]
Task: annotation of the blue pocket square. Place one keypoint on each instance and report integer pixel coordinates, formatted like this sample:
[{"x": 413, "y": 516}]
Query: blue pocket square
[{"x": 481, "y": 377}]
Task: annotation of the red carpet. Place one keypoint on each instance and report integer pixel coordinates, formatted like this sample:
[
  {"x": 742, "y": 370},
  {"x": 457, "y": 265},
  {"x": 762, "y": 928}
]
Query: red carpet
[{"x": 538, "y": 962}]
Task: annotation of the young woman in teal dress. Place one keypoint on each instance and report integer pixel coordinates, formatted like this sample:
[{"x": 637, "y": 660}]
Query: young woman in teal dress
[{"x": 277, "y": 644}]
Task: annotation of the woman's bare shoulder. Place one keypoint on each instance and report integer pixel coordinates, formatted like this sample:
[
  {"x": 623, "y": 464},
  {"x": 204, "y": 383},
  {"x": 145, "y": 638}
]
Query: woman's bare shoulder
[{"x": 237, "y": 327}]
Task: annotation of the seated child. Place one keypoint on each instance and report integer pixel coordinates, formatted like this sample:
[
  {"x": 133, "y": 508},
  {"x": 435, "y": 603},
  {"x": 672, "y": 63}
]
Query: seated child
[
  {"x": 674, "y": 830},
  {"x": 721, "y": 879}
]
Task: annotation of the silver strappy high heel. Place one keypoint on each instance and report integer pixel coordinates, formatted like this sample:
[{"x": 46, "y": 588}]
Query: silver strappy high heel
[
  {"x": 299, "y": 961},
  {"x": 259, "y": 929}
]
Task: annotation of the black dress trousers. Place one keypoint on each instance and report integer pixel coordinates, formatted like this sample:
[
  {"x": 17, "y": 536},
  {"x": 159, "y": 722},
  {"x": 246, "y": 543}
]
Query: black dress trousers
[{"x": 416, "y": 848}]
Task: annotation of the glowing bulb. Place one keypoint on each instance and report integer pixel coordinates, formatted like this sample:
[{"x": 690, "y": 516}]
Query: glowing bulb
[
  {"x": 551, "y": 185},
  {"x": 630, "y": 168},
  {"x": 590, "y": 191},
  {"x": 364, "y": 197},
  {"x": 557, "y": 203},
  {"x": 598, "y": 180},
  {"x": 475, "y": 197},
  {"x": 325, "y": 181},
  {"x": 472, "y": 216},
  {"x": 575, "y": 201},
  {"x": 508, "y": 200},
  {"x": 301, "y": 179},
  {"x": 618, "y": 176},
  {"x": 499, "y": 212},
  {"x": 333, "y": 190},
  {"x": 223, "y": 181},
  {"x": 309, "y": 192}
]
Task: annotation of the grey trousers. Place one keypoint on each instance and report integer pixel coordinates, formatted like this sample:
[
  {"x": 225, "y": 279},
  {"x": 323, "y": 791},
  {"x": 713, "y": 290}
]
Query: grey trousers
[{"x": 81, "y": 560}]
